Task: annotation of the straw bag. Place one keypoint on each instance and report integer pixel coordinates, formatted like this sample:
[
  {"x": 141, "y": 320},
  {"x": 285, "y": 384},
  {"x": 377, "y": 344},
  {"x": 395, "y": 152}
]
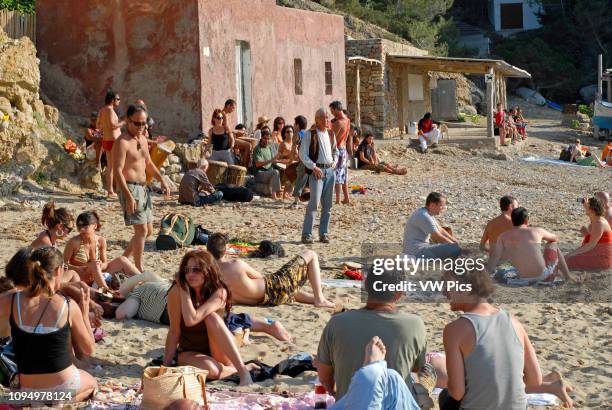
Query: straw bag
[{"x": 163, "y": 385}]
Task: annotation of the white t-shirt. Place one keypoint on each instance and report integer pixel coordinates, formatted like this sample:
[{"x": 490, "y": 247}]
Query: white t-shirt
[{"x": 419, "y": 226}]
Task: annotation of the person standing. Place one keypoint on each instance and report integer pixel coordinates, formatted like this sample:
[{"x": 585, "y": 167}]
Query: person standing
[
  {"x": 109, "y": 123},
  {"x": 318, "y": 152},
  {"x": 341, "y": 126},
  {"x": 244, "y": 147},
  {"x": 131, "y": 159},
  {"x": 300, "y": 124},
  {"x": 94, "y": 136}
]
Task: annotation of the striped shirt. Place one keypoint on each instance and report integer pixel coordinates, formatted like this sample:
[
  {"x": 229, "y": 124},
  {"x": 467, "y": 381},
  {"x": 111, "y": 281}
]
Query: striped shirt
[{"x": 152, "y": 298}]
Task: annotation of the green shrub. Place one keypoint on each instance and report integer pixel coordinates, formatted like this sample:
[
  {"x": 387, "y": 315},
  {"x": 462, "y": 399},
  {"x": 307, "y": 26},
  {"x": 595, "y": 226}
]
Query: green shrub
[
  {"x": 586, "y": 109},
  {"x": 575, "y": 124},
  {"x": 22, "y": 6}
]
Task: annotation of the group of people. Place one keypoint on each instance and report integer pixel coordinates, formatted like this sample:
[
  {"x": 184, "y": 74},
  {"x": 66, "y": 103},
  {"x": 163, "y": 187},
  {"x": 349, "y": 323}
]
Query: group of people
[
  {"x": 514, "y": 247},
  {"x": 511, "y": 124},
  {"x": 582, "y": 155}
]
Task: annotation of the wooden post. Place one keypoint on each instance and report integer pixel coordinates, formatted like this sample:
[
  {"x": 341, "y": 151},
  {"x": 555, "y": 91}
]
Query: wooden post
[
  {"x": 599, "y": 75},
  {"x": 357, "y": 96},
  {"x": 490, "y": 81},
  {"x": 609, "y": 89}
]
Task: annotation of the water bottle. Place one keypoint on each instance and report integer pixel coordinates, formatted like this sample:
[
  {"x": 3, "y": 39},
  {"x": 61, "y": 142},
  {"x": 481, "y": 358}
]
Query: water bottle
[{"x": 320, "y": 397}]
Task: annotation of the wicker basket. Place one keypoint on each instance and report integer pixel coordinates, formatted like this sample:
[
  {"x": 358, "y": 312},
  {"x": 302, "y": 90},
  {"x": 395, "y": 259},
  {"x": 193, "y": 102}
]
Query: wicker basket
[{"x": 163, "y": 385}]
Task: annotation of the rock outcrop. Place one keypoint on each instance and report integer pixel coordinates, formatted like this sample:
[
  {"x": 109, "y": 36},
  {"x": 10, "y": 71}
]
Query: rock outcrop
[{"x": 30, "y": 138}]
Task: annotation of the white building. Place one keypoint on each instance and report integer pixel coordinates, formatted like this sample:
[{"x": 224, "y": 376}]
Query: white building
[{"x": 511, "y": 16}]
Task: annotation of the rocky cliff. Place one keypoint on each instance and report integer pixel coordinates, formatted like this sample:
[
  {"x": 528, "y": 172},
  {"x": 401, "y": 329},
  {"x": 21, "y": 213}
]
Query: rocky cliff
[{"x": 31, "y": 132}]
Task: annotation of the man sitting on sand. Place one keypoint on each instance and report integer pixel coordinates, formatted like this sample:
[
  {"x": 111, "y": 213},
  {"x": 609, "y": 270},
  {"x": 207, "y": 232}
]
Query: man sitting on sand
[
  {"x": 196, "y": 189},
  {"x": 499, "y": 224},
  {"x": 423, "y": 226},
  {"x": 249, "y": 287},
  {"x": 521, "y": 247},
  {"x": 340, "y": 351}
]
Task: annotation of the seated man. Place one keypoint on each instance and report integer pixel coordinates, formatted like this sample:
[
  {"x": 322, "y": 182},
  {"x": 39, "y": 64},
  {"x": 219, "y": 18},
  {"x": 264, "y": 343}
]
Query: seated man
[
  {"x": 499, "y": 224},
  {"x": 521, "y": 247},
  {"x": 340, "y": 351},
  {"x": 423, "y": 226},
  {"x": 196, "y": 189},
  {"x": 250, "y": 287},
  {"x": 428, "y": 132},
  {"x": 267, "y": 179}
]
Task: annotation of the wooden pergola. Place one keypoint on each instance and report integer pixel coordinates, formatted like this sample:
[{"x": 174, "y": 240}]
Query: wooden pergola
[{"x": 495, "y": 72}]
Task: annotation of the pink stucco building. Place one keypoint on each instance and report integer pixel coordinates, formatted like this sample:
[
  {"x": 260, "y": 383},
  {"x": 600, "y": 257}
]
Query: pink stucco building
[{"x": 186, "y": 57}]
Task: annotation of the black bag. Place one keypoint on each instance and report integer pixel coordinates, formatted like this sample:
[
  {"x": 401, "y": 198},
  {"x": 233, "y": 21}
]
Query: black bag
[
  {"x": 566, "y": 154},
  {"x": 176, "y": 231},
  {"x": 268, "y": 248},
  {"x": 8, "y": 367},
  {"x": 201, "y": 235},
  {"x": 235, "y": 193}
]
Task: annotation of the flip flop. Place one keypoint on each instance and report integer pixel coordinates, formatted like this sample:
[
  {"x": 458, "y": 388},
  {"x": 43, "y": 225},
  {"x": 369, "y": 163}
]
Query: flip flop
[{"x": 99, "y": 334}]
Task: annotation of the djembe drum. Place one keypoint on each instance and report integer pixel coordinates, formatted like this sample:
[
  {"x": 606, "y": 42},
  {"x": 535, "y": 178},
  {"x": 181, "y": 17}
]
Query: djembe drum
[
  {"x": 236, "y": 175},
  {"x": 159, "y": 153},
  {"x": 252, "y": 141},
  {"x": 216, "y": 172}
]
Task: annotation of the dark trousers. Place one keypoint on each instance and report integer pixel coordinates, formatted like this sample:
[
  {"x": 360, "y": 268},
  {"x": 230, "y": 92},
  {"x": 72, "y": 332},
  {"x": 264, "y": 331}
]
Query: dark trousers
[{"x": 446, "y": 402}]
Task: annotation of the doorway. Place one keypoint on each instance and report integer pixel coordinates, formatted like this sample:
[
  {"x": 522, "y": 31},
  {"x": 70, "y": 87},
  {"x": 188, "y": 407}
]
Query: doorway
[{"x": 244, "y": 111}]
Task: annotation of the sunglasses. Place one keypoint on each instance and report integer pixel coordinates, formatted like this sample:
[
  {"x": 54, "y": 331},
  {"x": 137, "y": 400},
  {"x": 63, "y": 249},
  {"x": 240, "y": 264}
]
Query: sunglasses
[
  {"x": 67, "y": 228},
  {"x": 82, "y": 225},
  {"x": 139, "y": 124},
  {"x": 193, "y": 270},
  {"x": 219, "y": 117}
]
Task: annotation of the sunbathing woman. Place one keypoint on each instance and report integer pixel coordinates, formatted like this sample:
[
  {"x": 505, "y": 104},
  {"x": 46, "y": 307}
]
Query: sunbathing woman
[
  {"x": 44, "y": 324},
  {"x": 59, "y": 223},
  {"x": 148, "y": 301},
  {"x": 596, "y": 250},
  {"x": 86, "y": 254},
  {"x": 491, "y": 363},
  {"x": 368, "y": 159},
  {"x": 198, "y": 303}
]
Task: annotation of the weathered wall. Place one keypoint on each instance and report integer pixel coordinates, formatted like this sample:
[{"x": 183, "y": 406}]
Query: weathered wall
[
  {"x": 276, "y": 36},
  {"x": 145, "y": 50}
]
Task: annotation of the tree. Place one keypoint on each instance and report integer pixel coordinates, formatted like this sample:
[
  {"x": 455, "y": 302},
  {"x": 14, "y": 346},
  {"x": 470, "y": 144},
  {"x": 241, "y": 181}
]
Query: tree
[{"x": 22, "y": 6}]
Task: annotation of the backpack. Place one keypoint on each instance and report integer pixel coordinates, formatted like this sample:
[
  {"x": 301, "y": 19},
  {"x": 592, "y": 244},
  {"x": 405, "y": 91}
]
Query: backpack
[
  {"x": 176, "y": 231},
  {"x": 566, "y": 154},
  {"x": 235, "y": 193}
]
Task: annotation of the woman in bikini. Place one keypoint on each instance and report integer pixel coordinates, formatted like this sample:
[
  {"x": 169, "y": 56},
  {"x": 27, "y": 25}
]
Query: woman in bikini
[
  {"x": 59, "y": 223},
  {"x": 86, "y": 253},
  {"x": 198, "y": 304},
  {"x": 596, "y": 250},
  {"x": 46, "y": 326}
]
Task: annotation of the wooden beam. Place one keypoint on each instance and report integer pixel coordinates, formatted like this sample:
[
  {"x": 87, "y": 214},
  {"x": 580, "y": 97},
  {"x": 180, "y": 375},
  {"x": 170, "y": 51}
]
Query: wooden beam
[
  {"x": 490, "y": 90},
  {"x": 357, "y": 97},
  {"x": 609, "y": 89}
]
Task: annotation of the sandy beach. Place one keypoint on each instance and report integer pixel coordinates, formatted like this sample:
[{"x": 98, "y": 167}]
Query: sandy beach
[{"x": 573, "y": 338}]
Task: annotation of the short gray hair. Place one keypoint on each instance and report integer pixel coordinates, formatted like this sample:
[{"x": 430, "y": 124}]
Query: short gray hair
[
  {"x": 320, "y": 112},
  {"x": 202, "y": 162}
]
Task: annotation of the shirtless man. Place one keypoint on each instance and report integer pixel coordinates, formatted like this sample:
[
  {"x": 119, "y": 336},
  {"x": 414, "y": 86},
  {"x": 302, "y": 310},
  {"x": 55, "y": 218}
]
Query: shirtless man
[
  {"x": 131, "y": 159},
  {"x": 341, "y": 127},
  {"x": 109, "y": 123},
  {"x": 499, "y": 224},
  {"x": 243, "y": 146},
  {"x": 249, "y": 287},
  {"x": 521, "y": 246}
]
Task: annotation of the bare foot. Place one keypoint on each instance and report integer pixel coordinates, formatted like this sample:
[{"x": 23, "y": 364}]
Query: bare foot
[
  {"x": 561, "y": 389},
  {"x": 375, "y": 350},
  {"x": 553, "y": 376},
  {"x": 245, "y": 377},
  {"x": 325, "y": 303},
  {"x": 279, "y": 332},
  {"x": 346, "y": 202}
]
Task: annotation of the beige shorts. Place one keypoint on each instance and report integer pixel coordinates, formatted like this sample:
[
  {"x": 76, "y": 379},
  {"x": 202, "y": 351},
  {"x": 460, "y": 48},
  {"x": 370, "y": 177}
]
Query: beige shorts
[{"x": 144, "y": 207}]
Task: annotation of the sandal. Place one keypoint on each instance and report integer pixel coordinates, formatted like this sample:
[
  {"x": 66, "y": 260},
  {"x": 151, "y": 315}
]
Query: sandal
[{"x": 99, "y": 334}]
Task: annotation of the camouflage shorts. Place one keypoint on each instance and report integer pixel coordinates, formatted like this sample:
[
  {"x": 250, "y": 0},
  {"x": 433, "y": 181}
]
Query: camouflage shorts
[{"x": 282, "y": 285}]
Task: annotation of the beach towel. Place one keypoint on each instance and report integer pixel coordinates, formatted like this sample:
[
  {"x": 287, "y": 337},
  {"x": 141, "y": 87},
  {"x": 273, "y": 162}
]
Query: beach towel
[
  {"x": 232, "y": 400},
  {"x": 533, "y": 399},
  {"x": 341, "y": 283},
  {"x": 538, "y": 160}
]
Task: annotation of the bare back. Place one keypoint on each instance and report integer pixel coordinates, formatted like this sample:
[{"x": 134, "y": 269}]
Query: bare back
[
  {"x": 341, "y": 129},
  {"x": 522, "y": 247},
  {"x": 106, "y": 118},
  {"x": 246, "y": 284},
  {"x": 496, "y": 227}
]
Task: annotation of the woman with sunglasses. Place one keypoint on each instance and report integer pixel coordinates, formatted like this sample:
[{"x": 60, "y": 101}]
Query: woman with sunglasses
[
  {"x": 59, "y": 223},
  {"x": 86, "y": 254},
  {"x": 221, "y": 139},
  {"x": 46, "y": 326},
  {"x": 198, "y": 304}
]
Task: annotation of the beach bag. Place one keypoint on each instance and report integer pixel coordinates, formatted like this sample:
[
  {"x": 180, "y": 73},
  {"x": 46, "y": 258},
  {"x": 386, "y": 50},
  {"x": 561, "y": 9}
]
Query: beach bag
[
  {"x": 163, "y": 385},
  {"x": 566, "y": 154},
  {"x": 235, "y": 193},
  {"x": 8, "y": 368},
  {"x": 176, "y": 231}
]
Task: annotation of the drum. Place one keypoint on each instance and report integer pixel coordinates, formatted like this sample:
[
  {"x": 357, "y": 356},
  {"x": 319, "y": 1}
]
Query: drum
[
  {"x": 236, "y": 175},
  {"x": 291, "y": 172},
  {"x": 159, "y": 153},
  {"x": 252, "y": 141},
  {"x": 217, "y": 172}
]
